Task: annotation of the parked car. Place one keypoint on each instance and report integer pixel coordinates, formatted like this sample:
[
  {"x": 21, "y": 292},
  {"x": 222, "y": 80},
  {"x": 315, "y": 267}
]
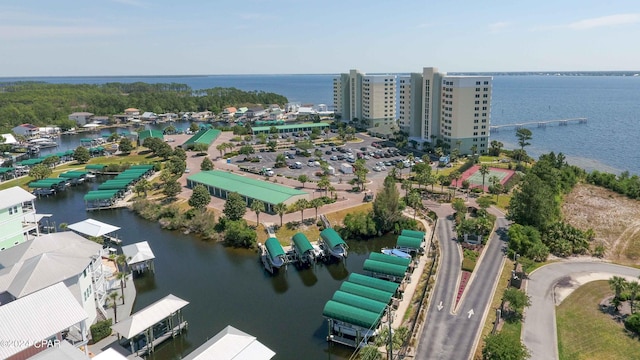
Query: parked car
[
  {"x": 328, "y": 152},
  {"x": 333, "y": 158}
]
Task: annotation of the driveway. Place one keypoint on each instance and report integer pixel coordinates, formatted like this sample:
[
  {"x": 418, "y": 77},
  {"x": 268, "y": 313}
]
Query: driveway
[{"x": 545, "y": 286}]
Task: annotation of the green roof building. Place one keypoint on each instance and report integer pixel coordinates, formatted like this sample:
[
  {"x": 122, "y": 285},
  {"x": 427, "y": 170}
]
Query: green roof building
[
  {"x": 292, "y": 128},
  {"x": 221, "y": 183},
  {"x": 206, "y": 136},
  {"x": 149, "y": 133}
]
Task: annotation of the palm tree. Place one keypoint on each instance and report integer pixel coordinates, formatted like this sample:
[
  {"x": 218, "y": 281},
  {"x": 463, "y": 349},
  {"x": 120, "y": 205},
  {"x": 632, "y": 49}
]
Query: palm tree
[
  {"x": 456, "y": 176},
  {"x": 495, "y": 181},
  {"x": 301, "y": 204},
  {"x": 316, "y": 203},
  {"x": 413, "y": 200},
  {"x": 281, "y": 209},
  {"x": 406, "y": 186},
  {"x": 331, "y": 190},
  {"x": 324, "y": 184},
  {"x": 458, "y": 143},
  {"x": 634, "y": 289},
  {"x": 257, "y": 206},
  {"x": 122, "y": 276},
  {"x": 484, "y": 170},
  {"x": 618, "y": 284},
  {"x": 113, "y": 296}
]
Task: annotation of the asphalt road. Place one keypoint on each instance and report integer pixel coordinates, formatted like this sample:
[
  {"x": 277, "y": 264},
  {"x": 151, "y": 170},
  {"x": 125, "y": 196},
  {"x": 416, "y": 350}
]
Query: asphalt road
[
  {"x": 539, "y": 326},
  {"x": 449, "y": 335}
]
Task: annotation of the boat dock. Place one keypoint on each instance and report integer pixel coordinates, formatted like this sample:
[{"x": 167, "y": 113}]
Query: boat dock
[{"x": 540, "y": 124}]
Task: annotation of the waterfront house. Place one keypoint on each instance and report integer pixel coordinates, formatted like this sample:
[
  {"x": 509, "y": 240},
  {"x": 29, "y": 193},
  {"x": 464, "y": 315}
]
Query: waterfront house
[
  {"x": 18, "y": 218},
  {"x": 46, "y": 318},
  {"x": 132, "y": 112},
  {"x": 148, "y": 116},
  {"x": 255, "y": 112},
  {"x": 102, "y": 120},
  {"x": 231, "y": 343},
  {"x": 229, "y": 112},
  {"x": 26, "y": 130},
  {"x": 81, "y": 118},
  {"x": 52, "y": 258},
  {"x": 241, "y": 111}
]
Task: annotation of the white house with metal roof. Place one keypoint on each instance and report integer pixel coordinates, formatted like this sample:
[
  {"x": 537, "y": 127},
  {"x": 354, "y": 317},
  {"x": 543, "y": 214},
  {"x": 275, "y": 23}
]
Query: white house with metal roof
[
  {"x": 18, "y": 219},
  {"x": 229, "y": 344},
  {"x": 41, "y": 319},
  {"x": 49, "y": 259}
]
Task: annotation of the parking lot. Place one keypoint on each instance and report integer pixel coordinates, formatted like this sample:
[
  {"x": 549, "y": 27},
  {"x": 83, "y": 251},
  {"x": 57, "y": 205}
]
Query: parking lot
[{"x": 377, "y": 163}]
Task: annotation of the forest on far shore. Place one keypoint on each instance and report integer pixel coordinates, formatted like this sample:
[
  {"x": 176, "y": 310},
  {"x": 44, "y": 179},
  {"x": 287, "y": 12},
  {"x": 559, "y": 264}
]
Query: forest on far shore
[{"x": 43, "y": 104}]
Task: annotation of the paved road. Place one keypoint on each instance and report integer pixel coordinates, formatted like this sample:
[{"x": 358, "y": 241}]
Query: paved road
[
  {"x": 449, "y": 335},
  {"x": 539, "y": 326}
]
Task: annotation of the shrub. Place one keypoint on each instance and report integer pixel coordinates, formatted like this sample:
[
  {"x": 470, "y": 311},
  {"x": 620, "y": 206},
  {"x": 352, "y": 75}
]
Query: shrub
[
  {"x": 632, "y": 323},
  {"x": 468, "y": 264},
  {"x": 100, "y": 330}
]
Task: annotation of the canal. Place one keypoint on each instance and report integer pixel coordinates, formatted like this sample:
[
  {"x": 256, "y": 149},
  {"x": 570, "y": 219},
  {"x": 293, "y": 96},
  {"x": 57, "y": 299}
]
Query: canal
[{"x": 226, "y": 286}]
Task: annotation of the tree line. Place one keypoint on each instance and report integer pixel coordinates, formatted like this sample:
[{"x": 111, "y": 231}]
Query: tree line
[{"x": 50, "y": 104}]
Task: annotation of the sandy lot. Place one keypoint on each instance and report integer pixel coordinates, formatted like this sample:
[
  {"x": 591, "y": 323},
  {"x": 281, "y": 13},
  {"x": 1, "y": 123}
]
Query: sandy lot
[{"x": 614, "y": 218}]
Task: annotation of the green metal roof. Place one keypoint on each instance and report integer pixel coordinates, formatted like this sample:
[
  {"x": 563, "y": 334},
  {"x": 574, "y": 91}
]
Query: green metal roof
[
  {"x": 127, "y": 176},
  {"x": 389, "y": 259},
  {"x": 264, "y": 191},
  {"x": 384, "y": 268},
  {"x": 113, "y": 186},
  {"x": 360, "y": 302},
  {"x": 408, "y": 242},
  {"x": 100, "y": 195},
  {"x": 41, "y": 185},
  {"x": 302, "y": 243},
  {"x": 332, "y": 238},
  {"x": 373, "y": 283},
  {"x": 31, "y": 161},
  {"x": 95, "y": 167},
  {"x": 290, "y": 127},
  {"x": 412, "y": 233},
  {"x": 364, "y": 291},
  {"x": 141, "y": 167},
  {"x": 149, "y": 133},
  {"x": 55, "y": 181},
  {"x": 274, "y": 248},
  {"x": 4, "y": 170},
  {"x": 351, "y": 315},
  {"x": 205, "y": 136}
]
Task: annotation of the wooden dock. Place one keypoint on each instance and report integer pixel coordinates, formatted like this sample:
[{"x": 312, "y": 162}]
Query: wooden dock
[
  {"x": 164, "y": 337},
  {"x": 539, "y": 124}
]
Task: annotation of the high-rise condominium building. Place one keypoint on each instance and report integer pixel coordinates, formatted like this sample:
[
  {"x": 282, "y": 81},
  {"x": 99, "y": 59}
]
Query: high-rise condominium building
[
  {"x": 370, "y": 99},
  {"x": 453, "y": 109}
]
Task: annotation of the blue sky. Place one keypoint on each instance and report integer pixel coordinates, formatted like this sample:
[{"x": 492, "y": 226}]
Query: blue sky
[{"x": 159, "y": 37}]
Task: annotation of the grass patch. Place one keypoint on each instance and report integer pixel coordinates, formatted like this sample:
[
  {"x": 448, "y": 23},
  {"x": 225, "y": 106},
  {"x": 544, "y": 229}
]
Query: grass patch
[
  {"x": 285, "y": 233},
  {"x": 503, "y": 282},
  {"x": 632, "y": 251},
  {"x": 584, "y": 332},
  {"x": 335, "y": 218}
]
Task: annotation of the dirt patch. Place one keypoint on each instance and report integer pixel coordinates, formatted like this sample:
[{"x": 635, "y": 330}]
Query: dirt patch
[{"x": 615, "y": 220}]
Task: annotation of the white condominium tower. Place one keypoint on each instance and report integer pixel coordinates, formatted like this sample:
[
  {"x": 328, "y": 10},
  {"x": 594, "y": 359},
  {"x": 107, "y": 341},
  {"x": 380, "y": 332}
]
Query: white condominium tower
[
  {"x": 453, "y": 109},
  {"x": 370, "y": 99}
]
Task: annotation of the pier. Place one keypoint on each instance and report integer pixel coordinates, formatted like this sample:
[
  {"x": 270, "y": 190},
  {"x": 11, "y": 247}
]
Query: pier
[{"x": 539, "y": 124}]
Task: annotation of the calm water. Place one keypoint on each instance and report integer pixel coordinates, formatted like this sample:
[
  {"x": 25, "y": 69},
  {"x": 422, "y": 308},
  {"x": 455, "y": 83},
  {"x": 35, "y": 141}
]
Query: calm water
[
  {"x": 226, "y": 286},
  {"x": 606, "y": 142},
  {"x": 285, "y": 312}
]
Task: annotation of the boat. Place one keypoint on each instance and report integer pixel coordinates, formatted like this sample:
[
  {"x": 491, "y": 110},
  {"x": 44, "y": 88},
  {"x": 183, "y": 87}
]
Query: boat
[
  {"x": 304, "y": 251},
  {"x": 34, "y": 149},
  {"x": 333, "y": 243},
  {"x": 275, "y": 252},
  {"x": 43, "y": 143},
  {"x": 397, "y": 253}
]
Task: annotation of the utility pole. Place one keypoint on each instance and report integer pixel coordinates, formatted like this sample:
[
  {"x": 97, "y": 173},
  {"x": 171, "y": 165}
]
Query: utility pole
[{"x": 390, "y": 354}]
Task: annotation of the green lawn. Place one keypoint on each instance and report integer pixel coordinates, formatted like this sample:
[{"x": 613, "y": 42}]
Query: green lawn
[{"x": 584, "y": 332}]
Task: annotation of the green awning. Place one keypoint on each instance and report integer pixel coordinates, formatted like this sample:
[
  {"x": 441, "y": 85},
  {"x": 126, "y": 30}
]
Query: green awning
[
  {"x": 369, "y": 293},
  {"x": 413, "y": 233},
  {"x": 360, "y": 302},
  {"x": 302, "y": 243},
  {"x": 351, "y": 315},
  {"x": 408, "y": 242},
  {"x": 99, "y": 195},
  {"x": 95, "y": 167},
  {"x": 373, "y": 283},
  {"x": 73, "y": 174},
  {"x": 141, "y": 167},
  {"x": 383, "y": 268},
  {"x": 4, "y": 170},
  {"x": 389, "y": 259},
  {"x": 332, "y": 238},
  {"x": 113, "y": 187},
  {"x": 274, "y": 248}
]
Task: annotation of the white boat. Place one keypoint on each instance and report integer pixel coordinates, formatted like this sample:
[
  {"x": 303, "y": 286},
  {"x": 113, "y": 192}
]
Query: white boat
[
  {"x": 43, "y": 143},
  {"x": 333, "y": 243},
  {"x": 396, "y": 252}
]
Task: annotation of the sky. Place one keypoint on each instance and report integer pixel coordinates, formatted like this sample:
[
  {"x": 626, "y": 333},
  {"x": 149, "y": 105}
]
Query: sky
[{"x": 189, "y": 37}]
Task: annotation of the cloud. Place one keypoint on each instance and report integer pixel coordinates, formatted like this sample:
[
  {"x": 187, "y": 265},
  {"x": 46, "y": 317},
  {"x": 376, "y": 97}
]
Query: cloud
[
  {"x": 604, "y": 21},
  {"x": 13, "y": 32},
  {"x": 498, "y": 26}
]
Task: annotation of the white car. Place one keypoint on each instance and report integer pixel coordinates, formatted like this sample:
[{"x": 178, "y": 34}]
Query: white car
[
  {"x": 333, "y": 158},
  {"x": 377, "y": 168}
]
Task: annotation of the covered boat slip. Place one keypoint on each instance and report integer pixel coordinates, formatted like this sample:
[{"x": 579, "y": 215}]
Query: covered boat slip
[
  {"x": 276, "y": 252},
  {"x": 367, "y": 292},
  {"x": 139, "y": 256},
  {"x": 304, "y": 251},
  {"x": 409, "y": 244},
  {"x": 360, "y": 302},
  {"x": 385, "y": 270},
  {"x": 373, "y": 283},
  {"x": 389, "y": 259},
  {"x": 333, "y": 243},
  {"x": 351, "y": 314},
  {"x": 95, "y": 228},
  {"x": 152, "y": 325},
  {"x": 413, "y": 233}
]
